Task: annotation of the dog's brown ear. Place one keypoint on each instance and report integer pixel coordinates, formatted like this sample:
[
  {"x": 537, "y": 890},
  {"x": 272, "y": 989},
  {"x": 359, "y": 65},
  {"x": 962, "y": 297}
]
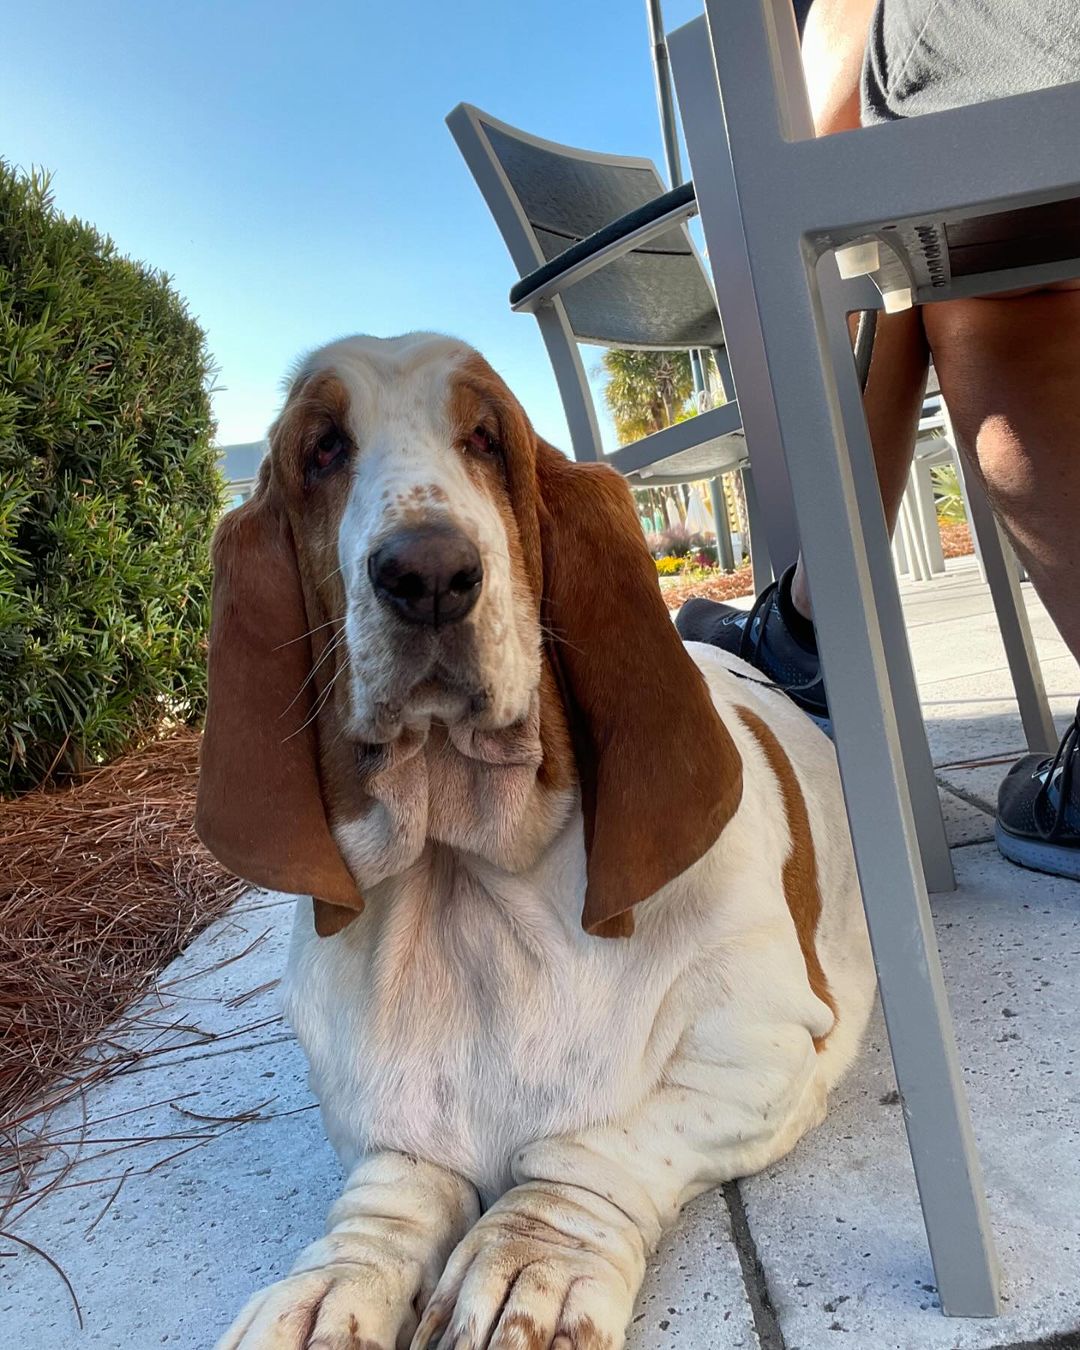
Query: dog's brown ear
[
  {"x": 660, "y": 775},
  {"x": 260, "y": 807}
]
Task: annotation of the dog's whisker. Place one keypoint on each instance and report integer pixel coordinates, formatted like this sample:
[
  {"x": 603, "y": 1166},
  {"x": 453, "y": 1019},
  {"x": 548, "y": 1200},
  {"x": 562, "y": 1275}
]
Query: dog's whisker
[
  {"x": 320, "y": 704},
  {"x": 550, "y": 635},
  {"x": 334, "y": 573},
  {"x": 328, "y": 624},
  {"x": 331, "y": 647}
]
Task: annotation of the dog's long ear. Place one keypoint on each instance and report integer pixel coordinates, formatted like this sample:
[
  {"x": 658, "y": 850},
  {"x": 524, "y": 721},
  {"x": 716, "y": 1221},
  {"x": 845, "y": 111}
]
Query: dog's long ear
[
  {"x": 660, "y": 775},
  {"x": 260, "y": 807}
]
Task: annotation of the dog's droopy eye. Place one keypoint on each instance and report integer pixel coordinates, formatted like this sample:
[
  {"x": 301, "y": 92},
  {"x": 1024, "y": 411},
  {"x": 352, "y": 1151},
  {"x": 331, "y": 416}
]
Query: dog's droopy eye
[
  {"x": 330, "y": 450},
  {"x": 482, "y": 442}
]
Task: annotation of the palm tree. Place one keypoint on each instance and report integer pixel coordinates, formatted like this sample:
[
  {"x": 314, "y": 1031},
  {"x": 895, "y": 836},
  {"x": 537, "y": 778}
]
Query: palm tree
[{"x": 646, "y": 391}]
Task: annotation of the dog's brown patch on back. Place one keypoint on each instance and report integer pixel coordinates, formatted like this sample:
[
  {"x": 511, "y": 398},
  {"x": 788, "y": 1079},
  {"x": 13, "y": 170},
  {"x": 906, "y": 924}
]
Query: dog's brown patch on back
[{"x": 800, "y": 875}]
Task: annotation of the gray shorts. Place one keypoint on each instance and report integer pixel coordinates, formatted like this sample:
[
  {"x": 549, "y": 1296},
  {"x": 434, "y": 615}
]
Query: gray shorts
[{"x": 924, "y": 56}]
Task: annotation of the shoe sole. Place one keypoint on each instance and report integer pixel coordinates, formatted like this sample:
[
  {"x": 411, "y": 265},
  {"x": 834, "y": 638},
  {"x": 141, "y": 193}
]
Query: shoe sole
[{"x": 1038, "y": 855}]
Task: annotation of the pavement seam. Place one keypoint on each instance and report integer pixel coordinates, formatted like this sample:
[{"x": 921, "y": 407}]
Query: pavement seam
[
  {"x": 972, "y": 843},
  {"x": 766, "y": 1323},
  {"x": 1058, "y": 1340},
  {"x": 971, "y": 798}
]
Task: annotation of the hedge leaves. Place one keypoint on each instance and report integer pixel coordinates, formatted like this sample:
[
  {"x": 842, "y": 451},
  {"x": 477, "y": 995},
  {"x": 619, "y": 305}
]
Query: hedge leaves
[{"x": 109, "y": 491}]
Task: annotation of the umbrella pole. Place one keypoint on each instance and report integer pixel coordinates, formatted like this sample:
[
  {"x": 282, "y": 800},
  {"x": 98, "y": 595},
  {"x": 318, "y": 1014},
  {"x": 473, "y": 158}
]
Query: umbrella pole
[
  {"x": 725, "y": 557},
  {"x": 665, "y": 103},
  {"x": 664, "y": 98}
]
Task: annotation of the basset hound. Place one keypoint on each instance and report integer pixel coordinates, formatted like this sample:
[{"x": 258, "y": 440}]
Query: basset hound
[{"x": 586, "y": 937}]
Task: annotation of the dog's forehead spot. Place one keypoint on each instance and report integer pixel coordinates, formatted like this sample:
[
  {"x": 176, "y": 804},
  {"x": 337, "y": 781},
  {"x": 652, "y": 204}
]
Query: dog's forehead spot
[{"x": 420, "y": 494}]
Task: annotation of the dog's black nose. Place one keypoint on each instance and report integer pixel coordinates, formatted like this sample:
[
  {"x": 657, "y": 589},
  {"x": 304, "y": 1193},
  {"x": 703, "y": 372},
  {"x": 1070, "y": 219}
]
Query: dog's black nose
[{"x": 429, "y": 575}]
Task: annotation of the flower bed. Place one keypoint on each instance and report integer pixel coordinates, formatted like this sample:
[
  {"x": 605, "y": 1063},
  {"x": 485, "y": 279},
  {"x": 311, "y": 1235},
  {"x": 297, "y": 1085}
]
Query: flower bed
[{"x": 680, "y": 583}]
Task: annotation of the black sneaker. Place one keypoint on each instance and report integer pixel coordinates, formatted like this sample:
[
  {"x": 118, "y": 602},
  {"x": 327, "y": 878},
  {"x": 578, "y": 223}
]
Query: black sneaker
[
  {"x": 771, "y": 635},
  {"x": 1038, "y": 819}
]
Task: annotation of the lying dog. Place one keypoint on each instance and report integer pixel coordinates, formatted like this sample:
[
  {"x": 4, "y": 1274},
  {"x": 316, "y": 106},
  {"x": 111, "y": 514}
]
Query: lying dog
[{"x": 586, "y": 937}]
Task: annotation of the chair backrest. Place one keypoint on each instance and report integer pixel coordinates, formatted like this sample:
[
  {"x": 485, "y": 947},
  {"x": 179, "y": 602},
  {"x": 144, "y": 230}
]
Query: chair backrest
[{"x": 545, "y": 197}]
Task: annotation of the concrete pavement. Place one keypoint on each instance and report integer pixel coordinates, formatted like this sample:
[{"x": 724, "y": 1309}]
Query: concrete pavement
[{"x": 195, "y": 1173}]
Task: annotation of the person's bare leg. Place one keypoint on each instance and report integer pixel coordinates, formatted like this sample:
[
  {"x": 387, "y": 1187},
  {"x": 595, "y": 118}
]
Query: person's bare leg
[
  {"x": 1010, "y": 375},
  {"x": 893, "y": 404},
  {"x": 834, "y": 40}
]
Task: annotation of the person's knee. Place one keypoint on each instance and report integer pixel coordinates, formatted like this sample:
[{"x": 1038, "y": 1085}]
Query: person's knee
[
  {"x": 1008, "y": 368},
  {"x": 994, "y": 357}
]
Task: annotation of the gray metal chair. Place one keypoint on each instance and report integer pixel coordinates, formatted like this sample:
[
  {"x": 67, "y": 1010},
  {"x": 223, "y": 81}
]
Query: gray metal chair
[
  {"x": 605, "y": 258},
  {"x": 926, "y": 217},
  {"x": 549, "y": 288}
]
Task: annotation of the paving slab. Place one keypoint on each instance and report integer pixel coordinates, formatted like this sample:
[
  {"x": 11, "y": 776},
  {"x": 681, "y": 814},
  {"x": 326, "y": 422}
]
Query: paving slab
[
  {"x": 961, "y": 646},
  {"x": 694, "y": 1294},
  {"x": 837, "y": 1223},
  {"x": 222, "y": 991},
  {"x": 168, "y": 1256},
  {"x": 975, "y": 717},
  {"x": 964, "y": 682},
  {"x": 961, "y": 593},
  {"x": 192, "y": 1177},
  {"x": 966, "y": 821},
  {"x": 195, "y": 1172},
  {"x": 978, "y": 783}
]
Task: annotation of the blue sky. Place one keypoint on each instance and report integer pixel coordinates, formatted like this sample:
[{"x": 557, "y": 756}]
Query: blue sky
[{"x": 289, "y": 166}]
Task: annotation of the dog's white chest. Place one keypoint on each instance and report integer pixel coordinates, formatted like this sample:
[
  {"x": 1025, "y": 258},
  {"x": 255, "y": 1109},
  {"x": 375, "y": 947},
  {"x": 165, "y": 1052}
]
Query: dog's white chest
[{"x": 448, "y": 1029}]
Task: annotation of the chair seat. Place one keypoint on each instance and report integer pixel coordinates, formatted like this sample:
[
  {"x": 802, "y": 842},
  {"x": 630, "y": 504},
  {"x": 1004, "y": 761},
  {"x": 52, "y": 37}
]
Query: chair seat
[
  {"x": 700, "y": 447},
  {"x": 604, "y": 257},
  {"x": 703, "y": 461},
  {"x": 965, "y": 253}
]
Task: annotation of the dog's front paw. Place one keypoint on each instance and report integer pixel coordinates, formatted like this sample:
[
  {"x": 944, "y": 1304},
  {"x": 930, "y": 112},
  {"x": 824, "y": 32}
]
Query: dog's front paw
[
  {"x": 543, "y": 1269},
  {"x": 342, "y": 1301}
]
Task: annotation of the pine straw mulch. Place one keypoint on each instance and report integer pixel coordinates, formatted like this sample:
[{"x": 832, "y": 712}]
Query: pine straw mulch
[
  {"x": 955, "y": 543},
  {"x": 101, "y": 884}
]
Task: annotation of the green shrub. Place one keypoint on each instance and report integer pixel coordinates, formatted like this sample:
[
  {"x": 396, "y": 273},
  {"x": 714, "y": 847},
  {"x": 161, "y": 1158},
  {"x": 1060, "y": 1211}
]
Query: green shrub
[{"x": 109, "y": 490}]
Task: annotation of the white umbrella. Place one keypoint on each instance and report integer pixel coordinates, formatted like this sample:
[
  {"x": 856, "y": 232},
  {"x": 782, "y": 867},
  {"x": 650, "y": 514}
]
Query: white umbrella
[{"x": 698, "y": 519}]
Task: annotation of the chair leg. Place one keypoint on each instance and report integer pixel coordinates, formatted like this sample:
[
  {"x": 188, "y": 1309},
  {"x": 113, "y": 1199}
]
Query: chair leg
[
  {"x": 999, "y": 567},
  {"x": 912, "y": 543},
  {"x": 921, "y": 489},
  {"x": 699, "y": 105},
  {"x": 585, "y": 440},
  {"x": 725, "y": 557},
  {"x": 915, "y": 524},
  {"x": 852, "y": 616},
  {"x": 900, "y": 551},
  {"x": 863, "y": 616},
  {"x": 915, "y": 751},
  {"x": 760, "y": 562},
  {"x": 878, "y": 733}
]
